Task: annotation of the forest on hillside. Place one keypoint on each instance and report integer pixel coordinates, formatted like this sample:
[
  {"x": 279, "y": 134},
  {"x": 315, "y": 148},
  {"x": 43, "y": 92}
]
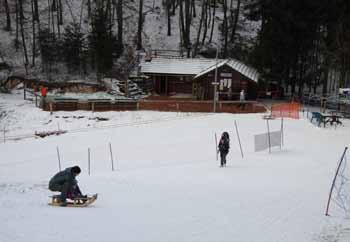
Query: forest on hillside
[{"x": 296, "y": 43}]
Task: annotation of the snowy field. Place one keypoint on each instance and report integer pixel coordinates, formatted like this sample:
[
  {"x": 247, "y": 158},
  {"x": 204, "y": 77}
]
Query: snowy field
[{"x": 167, "y": 186}]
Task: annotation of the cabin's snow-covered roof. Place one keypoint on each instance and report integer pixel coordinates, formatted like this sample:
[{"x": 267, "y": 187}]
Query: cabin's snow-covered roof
[{"x": 195, "y": 66}]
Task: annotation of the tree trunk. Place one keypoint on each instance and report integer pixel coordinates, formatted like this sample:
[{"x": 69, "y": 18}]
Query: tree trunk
[
  {"x": 60, "y": 8},
  {"x": 187, "y": 26},
  {"x": 36, "y": 9},
  {"x": 8, "y": 16},
  {"x": 182, "y": 24},
  {"x": 199, "y": 29},
  {"x": 225, "y": 28},
  {"x": 34, "y": 35},
  {"x": 21, "y": 20},
  {"x": 139, "y": 29},
  {"x": 234, "y": 27},
  {"x": 168, "y": 6},
  {"x": 89, "y": 8},
  {"x": 17, "y": 24},
  {"x": 212, "y": 26},
  {"x": 205, "y": 21},
  {"x": 193, "y": 8},
  {"x": 120, "y": 24},
  {"x": 58, "y": 19}
]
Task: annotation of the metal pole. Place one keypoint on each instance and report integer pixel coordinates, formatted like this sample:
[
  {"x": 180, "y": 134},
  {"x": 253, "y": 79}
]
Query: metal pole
[
  {"x": 282, "y": 132},
  {"x": 239, "y": 140},
  {"x": 215, "y": 80},
  {"x": 59, "y": 158},
  {"x": 268, "y": 134},
  {"x": 89, "y": 161},
  {"x": 110, "y": 149},
  {"x": 333, "y": 183},
  {"x": 216, "y": 147}
]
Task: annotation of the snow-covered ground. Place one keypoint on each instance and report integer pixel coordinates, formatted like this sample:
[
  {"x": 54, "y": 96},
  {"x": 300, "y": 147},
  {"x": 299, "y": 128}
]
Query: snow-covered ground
[{"x": 168, "y": 185}]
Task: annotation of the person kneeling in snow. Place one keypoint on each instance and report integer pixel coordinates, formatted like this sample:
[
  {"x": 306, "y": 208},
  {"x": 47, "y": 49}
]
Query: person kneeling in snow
[
  {"x": 65, "y": 182},
  {"x": 224, "y": 146}
]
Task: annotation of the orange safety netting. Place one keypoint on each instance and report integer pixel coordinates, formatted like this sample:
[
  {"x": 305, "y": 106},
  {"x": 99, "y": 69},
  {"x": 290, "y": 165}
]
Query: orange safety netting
[{"x": 286, "y": 110}]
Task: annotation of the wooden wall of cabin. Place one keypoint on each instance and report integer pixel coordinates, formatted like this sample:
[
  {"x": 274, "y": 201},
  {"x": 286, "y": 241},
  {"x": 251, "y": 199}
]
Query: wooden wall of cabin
[
  {"x": 230, "y": 85},
  {"x": 168, "y": 85}
]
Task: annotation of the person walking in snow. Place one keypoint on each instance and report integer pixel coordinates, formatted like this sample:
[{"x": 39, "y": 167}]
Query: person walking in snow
[
  {"x": 224, "y": 146},
  {"x": 65, "y": 182}
]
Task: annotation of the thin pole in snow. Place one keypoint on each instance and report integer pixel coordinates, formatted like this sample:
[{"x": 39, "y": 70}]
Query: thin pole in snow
[
  {"x": 216, "y": 147},
  {"x": 59, "y": 158},
  {"x": 333, "y": 183},
  {"x": 282, "y": 132},
  {"x": 110, "y": 150},
  {"x": 268, "y": 135},
  {"x": 4, "y": 135},
  {"x": 239, "y": 140},
  {"x": 89, "y": 161}
]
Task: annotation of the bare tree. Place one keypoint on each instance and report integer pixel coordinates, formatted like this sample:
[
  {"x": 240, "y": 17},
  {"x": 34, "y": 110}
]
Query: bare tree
[
  {"x": 225, "y": 28},
  {"x": 8, "y": 16},
  {"x": 168, "y": 6},
  {"x": 206, "y": 7},
  {"x": 199, "y": 29},
  {"x": 235, "y": 21},
  {"x": 212, "y": 26},
  {"x": 21, "y": 21},
  {"x": 36, "y": 10},
  {"x": 120, "y": 22},
  {"x": 188, "y": 18},
  {"x": 33, "y": 30},
  {"x": 17, "y": 24},
  {"x": 139, "y": 29}
]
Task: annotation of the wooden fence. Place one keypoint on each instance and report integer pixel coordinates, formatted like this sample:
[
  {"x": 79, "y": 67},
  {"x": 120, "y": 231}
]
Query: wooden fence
[{"x": 99, "y": 105}]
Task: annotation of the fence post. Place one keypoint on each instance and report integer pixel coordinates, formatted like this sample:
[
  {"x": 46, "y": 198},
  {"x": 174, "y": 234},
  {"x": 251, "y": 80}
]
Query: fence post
[
  {"x": 110, "y": 149},
  {"x": 50, "y": 104},
  {"x": 92, "y": 106}
]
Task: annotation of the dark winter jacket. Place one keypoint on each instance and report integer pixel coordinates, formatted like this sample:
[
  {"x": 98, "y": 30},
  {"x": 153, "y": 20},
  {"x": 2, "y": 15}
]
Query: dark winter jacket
[
  {"x": 62, "y": 177},
  {"x": 224, "y": 144}
]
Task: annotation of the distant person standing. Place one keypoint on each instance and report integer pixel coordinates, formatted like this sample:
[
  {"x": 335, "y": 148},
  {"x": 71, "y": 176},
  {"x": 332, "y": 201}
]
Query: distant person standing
[
  {"x": 224, "y": 146},
  {"x": 242, "y": 96},
  {"x": 43, "y": 91},
  {"x": 242, "y": 99}
]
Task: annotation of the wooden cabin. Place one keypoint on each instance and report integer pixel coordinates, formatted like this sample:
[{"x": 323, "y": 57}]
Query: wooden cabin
[{"x": 194, "y": 77}]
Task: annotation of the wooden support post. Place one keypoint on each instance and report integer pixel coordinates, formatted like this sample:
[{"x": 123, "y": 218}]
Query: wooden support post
[
  {"x": 51, "y": 109},
  {"x": 93, "y": 107}
]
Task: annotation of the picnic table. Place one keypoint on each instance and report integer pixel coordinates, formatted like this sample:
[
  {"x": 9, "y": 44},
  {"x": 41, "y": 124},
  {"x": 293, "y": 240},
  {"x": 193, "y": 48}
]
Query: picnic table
[{"x": 332, "y": 118}]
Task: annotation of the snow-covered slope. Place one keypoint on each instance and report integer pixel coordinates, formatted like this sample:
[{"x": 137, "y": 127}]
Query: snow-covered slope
[{"x": 168, "y": 185}]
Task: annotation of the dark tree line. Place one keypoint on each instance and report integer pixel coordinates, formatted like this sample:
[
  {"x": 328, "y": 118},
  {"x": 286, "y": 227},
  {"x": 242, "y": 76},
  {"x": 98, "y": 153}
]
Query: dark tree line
[{"x": 302, "y": 41}]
